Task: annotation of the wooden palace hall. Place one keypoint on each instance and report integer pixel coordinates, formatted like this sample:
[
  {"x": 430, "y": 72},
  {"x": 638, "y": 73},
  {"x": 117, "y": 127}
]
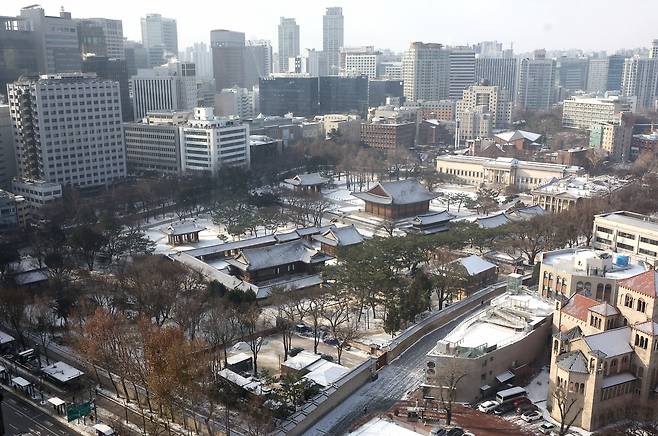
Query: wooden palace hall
[{"x": 397, "y": 199}]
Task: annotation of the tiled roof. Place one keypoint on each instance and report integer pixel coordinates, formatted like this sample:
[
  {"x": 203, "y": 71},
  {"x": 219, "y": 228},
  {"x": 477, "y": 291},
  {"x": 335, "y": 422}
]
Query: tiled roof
[
  {"x": 340, "y": 236},
  {"x": 311, "y": 179},
  {"x": 251, "y": 259},
  {"x": 644, "y": 283},
  {"x": 518, "y": 134},
  {"x": 398, "y": 192},
  {"x": 432, "y": 218},
  {"x": 604, "y": 309},
  {"x": 578, "y": 305},
  {"x": 475, "y": 264}
]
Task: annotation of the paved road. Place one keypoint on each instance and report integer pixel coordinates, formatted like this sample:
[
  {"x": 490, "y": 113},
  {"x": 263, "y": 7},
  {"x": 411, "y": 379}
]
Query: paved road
[
  {"x": 401, "y": 376},
  {"x": 23, "y": 418}
]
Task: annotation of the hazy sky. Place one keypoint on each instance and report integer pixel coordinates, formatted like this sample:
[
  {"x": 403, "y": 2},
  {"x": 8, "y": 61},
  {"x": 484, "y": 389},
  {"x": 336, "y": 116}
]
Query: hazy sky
[{"x": 529, "y": 24}]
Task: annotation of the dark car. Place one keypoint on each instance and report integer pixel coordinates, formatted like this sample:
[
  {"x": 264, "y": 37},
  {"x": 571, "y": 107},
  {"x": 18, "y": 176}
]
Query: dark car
[
  {"x": 330, "y": 340},
  {"x": 456, "y": 431},
  {"x": 520, "y": 402},
  {"x": 295, "y": 351},
  {"x": 504, "y": 408},
  {"x": 526, "y": 408}
]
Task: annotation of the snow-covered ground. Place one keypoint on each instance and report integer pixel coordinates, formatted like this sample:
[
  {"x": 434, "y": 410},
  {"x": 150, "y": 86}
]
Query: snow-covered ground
[{"x": 382, "y": 427}]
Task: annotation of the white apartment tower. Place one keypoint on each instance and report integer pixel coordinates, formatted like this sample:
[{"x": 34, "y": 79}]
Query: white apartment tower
[
  {"x": 168, "y": 87},
  {"x": 425, "y": 71},
  {"x": 653, "y": 52},
  {"x": 288, "y": 42},
  {"x": 640, "y": 79},
  {"x": 332, "y": 39},
  {"x": 67, "y": 129},
  {"x": 209, "y": 143}
]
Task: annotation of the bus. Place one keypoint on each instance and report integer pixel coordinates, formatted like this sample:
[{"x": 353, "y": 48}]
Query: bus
[{"x": 510, "y": 394}]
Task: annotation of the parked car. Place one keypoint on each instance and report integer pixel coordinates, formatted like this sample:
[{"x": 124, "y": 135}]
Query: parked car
[
  {"x": 327, "y": 357},
  {"x": 438, "y": 431},
  {"x": 526, "y": 408},
  {"x": 455, "y": 431},
  {"x": 519, "y": 402},
  {"x": 531, "y": 416},
  {"x": 546, "y": 428},
  {"x": 330, "y": 340},
  {"x": 468, "y": 433},
  {"x": 295, "y": 351},
  {"x": 503, "y": 409},
  {"x": 487, "y": 406},
  {"x": 303, "y": 329}
]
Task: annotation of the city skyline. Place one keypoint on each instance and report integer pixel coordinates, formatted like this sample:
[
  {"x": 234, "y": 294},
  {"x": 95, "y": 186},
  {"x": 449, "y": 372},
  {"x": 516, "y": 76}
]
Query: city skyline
[{"x": 554, "y": 33}]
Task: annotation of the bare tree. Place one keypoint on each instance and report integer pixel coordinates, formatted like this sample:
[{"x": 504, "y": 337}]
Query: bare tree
[
  {"x": 248, "y": 325},
  {"x": 43, "y": 320},
  {"x": 567, "y": 409},
  {"x": 221, "y": 326},
  {"x": 286, "y": 302},
  {"x": 346, "y": 333},
  {"x": 450, "y": 377}
]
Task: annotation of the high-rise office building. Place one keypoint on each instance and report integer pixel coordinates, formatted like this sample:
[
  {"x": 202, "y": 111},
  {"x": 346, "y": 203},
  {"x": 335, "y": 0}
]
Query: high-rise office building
[
  {"x": 491, "y": 99},
  {"x": 153, "y": 144},
  {"x": 201, "y": 56},
  {"x": 615, "y": 72},
  {"x": 18, "y": 54},
  {"x": 536, "y": 80},
  {"x": 462, "y": 71},
  {"x": 82, "y": 148},
  {"x": 102, "y": 37},
  {"x": 309, "y": 62},
  {"x": 160, "y": 39},
  {"x": 168, "y": 87},
  {"x": 236, "y": 102},
  {"x": 210, "y": 143},
  {"x": 280, "y": 95},
  {"x": 7, "y": 153},
  {"x": 112, "y": 69},
  {"x": 257, "y": 61},
  {"x": 497, "y": 71},
  {"x": 572, "y": 73},
  {"x": 597, "y": 75},
  {"x": 426, "y": 71},
  {"x": 489, "y": 48},
  {"x": 361, "y": 61},
  {"x": 55, "y": 40},
  {"x": 344, "y": 95},
  {"x": 640, "y": 79},
  {"x": 227, "y": 58},
  {"x": 288, "y": 42},
  {"x": 380, "y": 89},
  {"x": 332, "y": 39}
]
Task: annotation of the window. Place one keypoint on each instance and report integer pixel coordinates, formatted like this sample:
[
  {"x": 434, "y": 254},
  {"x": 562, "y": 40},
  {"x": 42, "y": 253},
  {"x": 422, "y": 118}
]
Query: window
[
  {"x": 641, "y": 305},
  {"x": 603, "y": 230},
  {"x": 625, "y": 246},
  {"x": 626, "y": 235},
  {"x": 648, "y": 240}
]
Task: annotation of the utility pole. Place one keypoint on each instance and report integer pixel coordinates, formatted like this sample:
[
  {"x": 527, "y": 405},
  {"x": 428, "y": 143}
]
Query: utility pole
[{"x": 2, "y": 420}]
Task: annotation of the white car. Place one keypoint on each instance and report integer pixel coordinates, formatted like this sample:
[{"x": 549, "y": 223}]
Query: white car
[
  {"x": 487, "y": 406},
  {"x": 546, "y": 428},
  {"x": 531, "y": 416}
]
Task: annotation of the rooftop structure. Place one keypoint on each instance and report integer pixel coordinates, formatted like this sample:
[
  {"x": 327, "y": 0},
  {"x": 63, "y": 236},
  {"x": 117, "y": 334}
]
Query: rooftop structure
[
  {"x": 489, "y": 344},
  {"x": 430, "y": 223},
  {"x": 62, "y": 372},
  {"x": 307, "y": 182},
  {"x": 561, "y": 194},
  {"x": 336, "y": 237},
  {"x": 183, "y": 232}
]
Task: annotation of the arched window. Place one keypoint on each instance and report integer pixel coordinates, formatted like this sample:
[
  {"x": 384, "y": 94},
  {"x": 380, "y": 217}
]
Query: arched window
[
  {"x": 641, "y": 305},
  {"x": 599, "y": 291},
  {"x": 579, "y": 286},
  {"x": 607, "y": 294}
]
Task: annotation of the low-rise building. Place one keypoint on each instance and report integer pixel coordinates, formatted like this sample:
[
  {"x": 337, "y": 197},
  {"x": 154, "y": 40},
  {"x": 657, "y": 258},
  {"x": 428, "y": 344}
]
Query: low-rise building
[
  {"x": 388, "y": 136},
  {"x": 398, "y": 199},
  {"x": 489, "y": 346},
  {"x": 346, "y": 128},
  {"x": 644, "y": 143},
  {"x": 589, "y": 272},
  {"x": 11, "y": 206},
  {"x": 559, "y": 195},
  {"x": 153, "y": 144},
  {"x": 310, "y": 182},
  {"x": 614, "y": 138},
  {"x": 236, "y": 102},
  {"x": 264, "y": 149},
  {"x": 583, "y": 113},
  {"x": 604, "y": 358},
  {"x": 479, "y": 272},
  {"x": 335, "y": 238},
  {"x": 518, "y": 140},
  {"x": 627, "y": 233},
  {"x": 503, "y": 172},
  {"x": 37, "y": 193}
]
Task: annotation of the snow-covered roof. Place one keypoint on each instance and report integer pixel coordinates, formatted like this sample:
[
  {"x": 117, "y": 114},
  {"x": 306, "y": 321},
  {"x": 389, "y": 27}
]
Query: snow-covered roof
[
  {"x": 340, "y": 236},
  {"x": 251, "y": 259},
  {"x": 572, "y": 361},
  {"x": 428, "y": 219},
  {"x": 248, "y": 384},
  {"x": 62, "y": 372},
  {"x": 397, "y": 192},
  {"x": 311, "y": 179},
  {"x": 649, "y": 327},
  {"x": 238, "y": 358},
  {"x": 525, "y": 213},
  {"x": 325, "y": 373},
  {"x": 604, "y": 309},
  {"x": 302, "y": 360},
  {"x": 575, "y": 187},
  {"x": 610, "y": 342},
  {"x": 183, "y": 228},
  {"x": 5, "y": 338},
  {"x": 20, "y": 382},
  {"x": 104, "y": 429},
  {"x": 493, "y": 221},
  {"x": 513, "y": 135},
  {"x": 475, "y": 264},
  {"x": 633, "y": 219},
  {"x": 617, "y": 379},
  {"x": 580, "y": 261},
  {"x": 31, "y": 277}
]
